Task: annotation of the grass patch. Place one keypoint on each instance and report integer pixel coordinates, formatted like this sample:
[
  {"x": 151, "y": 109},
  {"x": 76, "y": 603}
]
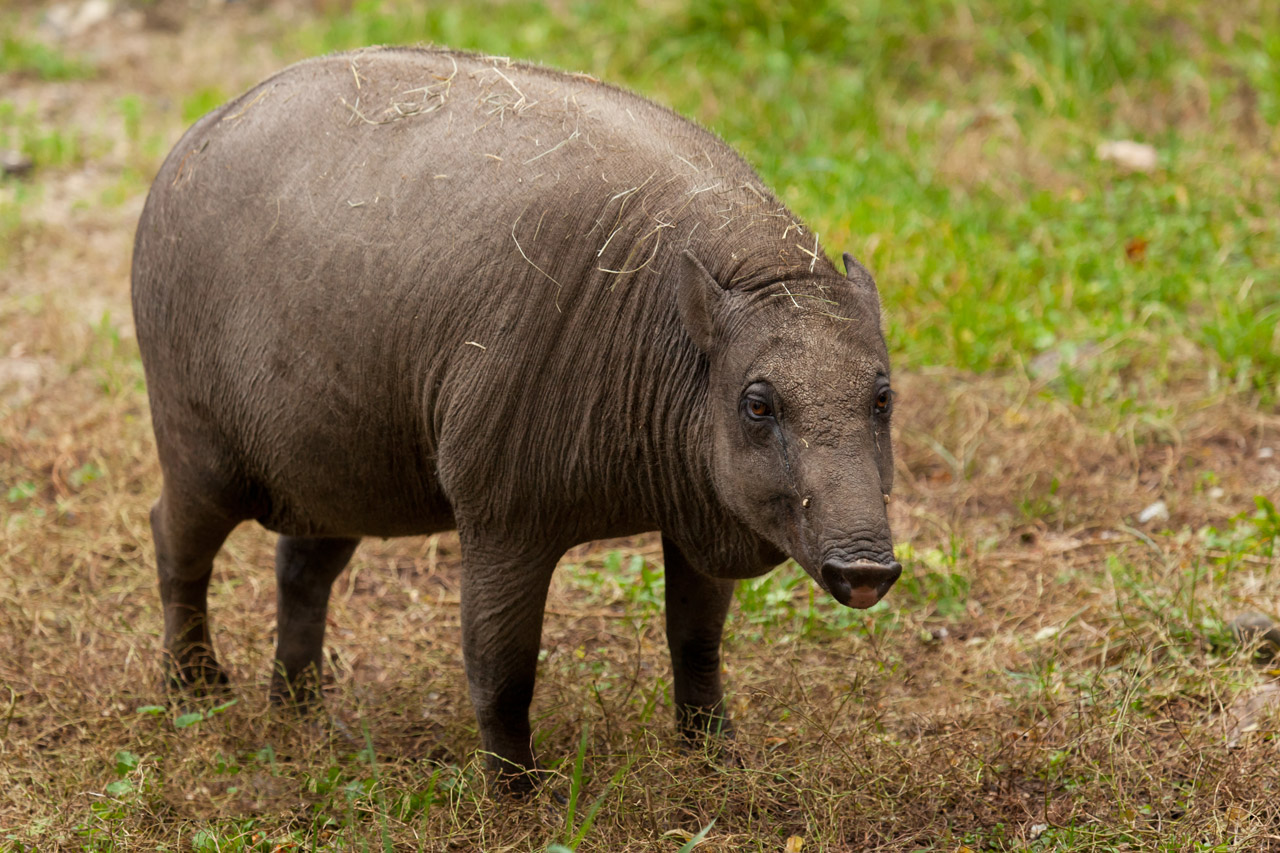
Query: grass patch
[
  {"x": 46, "y": 145},
  {"x": 201, "y": 102},
  {"x": 961, "y": 154},
  {"x": 1072, "y": 343},
  {"x": 14, "y": 198},
  {"x": 29, "y": 58}
]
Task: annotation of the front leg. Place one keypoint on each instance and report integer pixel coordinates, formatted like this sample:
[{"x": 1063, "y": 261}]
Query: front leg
[
  {"x": 503, "y": 597},
  {"x": 696, "y": 610},
  {"x": 305, "y": 571}
]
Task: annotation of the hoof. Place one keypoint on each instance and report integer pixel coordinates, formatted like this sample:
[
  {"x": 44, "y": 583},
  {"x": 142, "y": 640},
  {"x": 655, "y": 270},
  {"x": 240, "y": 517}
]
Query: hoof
[
  {"x": 303, "y": 701},
  {"x": 510, "y": 781},
  {"x": 710, "y": 734},
  {"x": 202, "y": 679},
  {"x": 719, "y": 751}
]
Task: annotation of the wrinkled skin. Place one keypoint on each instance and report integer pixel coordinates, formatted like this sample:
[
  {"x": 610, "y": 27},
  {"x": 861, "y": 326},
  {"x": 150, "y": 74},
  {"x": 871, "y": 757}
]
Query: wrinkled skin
[{"x": 400, "y": 291}]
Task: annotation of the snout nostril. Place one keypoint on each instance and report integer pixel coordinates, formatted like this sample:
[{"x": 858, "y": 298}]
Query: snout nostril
[
  {"x": 862, "y": 574},
  {"x": 871, "y": 575},
  {"x": 860, "y": 583}
]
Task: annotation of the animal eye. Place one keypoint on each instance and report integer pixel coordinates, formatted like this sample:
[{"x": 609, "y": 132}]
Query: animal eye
[
  {"x": 757, "y": 401},
  {"x": 883, "y": 399}
]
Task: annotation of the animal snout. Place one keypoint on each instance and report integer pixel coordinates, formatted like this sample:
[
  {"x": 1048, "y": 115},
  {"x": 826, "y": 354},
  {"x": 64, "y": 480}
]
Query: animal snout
[{"x": 861, "y": 583}]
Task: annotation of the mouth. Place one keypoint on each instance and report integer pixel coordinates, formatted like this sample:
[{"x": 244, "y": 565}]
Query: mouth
[{"x": 859, "y": 584}]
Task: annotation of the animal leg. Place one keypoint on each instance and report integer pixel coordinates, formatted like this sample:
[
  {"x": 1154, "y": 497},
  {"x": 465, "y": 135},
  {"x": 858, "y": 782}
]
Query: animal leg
[
  {"x": 696, "y": 610},
  {"x": 305, "y": 571},
  {"x": 502, "y": 605},
  {"x": 187, "y": 534}
]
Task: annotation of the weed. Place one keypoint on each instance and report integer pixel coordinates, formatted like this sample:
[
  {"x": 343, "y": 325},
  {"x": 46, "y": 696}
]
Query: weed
[
  {"x": 83, "y": 475},
  {"x": 201, "y": 102},
  {"x": 23, "y": 491},
  {"x": 130, "y": 108},
  {"x": 1253, "y": 536},
  {"x": 23, "y": 131},
  {"x": 1072, "y": 342},
  {"x": 1043, "y": 506},
  {"x": 114, "y": 360},
  {"x": 933, "y": 585},
  {"x": 28, "y": 57},
  {"x": 573, "y": 836},
  {"x": 630, "y": 578}
]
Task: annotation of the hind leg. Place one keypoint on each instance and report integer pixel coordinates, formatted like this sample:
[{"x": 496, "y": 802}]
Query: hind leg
[
  {"x": 188, "y": 533},
  {"x": 305, "y": 571}
]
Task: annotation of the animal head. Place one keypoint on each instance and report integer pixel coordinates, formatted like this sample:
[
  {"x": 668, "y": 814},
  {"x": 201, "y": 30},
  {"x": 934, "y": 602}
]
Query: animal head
[{"x": 800, "y": 401}]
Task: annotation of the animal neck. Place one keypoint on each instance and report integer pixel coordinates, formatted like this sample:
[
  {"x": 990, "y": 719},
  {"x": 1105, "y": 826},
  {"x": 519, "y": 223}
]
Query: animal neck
[{"x": 683, "y": 496}]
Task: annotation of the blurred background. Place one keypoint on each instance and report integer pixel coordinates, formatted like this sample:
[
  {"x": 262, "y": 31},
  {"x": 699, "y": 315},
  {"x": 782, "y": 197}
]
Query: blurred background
[
  {"x": 1073, "y": 214},
  {"x": 959, "y": 149}
]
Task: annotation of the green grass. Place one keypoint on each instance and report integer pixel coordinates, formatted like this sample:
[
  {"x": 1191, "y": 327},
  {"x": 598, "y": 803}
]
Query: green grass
[
  {"x": 33, "y": 58},
  {"x": 45, "y": 143},
  {"x": 202, "y": 101},
  {"x": 1016, "y": 248},
  {"x": 11, "y": 206},
  {"x": 1073, "y": 341}
]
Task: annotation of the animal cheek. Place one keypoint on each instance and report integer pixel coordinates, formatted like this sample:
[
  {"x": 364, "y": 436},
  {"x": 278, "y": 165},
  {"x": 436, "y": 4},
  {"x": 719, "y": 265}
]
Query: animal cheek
[
  {"x": 884, "y": 465},
  {"x": 771, "y": 487},
  {"x": 788, "y": 523},
  {"x": 758, "y": 434},
  {"x": 801, "y": 527},
  {"x": 886, "y": 476}
]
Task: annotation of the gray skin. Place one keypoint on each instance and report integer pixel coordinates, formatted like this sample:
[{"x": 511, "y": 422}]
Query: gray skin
[{"x": 396, "y": 292}]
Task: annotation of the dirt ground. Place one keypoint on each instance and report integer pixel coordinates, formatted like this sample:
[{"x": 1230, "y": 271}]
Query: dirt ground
[{"x": 1057, "y": 663}]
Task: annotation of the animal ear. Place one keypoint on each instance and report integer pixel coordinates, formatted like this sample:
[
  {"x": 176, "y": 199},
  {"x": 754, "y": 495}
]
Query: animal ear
[
  {"x": 860, "y": 278},
  {"x": 699, "y": 297},
  {"x": 855, "y": 271}
]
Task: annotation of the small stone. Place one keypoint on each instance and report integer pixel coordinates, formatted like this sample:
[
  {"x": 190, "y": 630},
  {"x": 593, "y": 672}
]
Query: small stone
[
  {"x": 1246, "y": 711},
  {"x": 1037, "y": 830},
  {"x": 1217, "y": 493},
  {"x": 1251, "y": 628},
  {"x": 1049, "y": 364},
  {"x": 15, "y": 163},
  {"x": 1266, "y": 452},
  {"x": 21, "y": 377},
  {"x": 1158, "y": 511},
  {"x": 939, "y": 634},
  {"x": 91, "y": 14},
  {"x": 1129, "y": 155},
  {"x": 69, "y": 20}
]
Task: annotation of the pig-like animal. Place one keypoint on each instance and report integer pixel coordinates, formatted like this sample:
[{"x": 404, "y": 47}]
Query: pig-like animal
[{"x": 399, "y": 291}]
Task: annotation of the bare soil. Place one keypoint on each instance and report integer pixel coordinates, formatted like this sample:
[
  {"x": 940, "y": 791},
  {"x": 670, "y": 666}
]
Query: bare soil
[{"x": 1058, "y": 663}]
